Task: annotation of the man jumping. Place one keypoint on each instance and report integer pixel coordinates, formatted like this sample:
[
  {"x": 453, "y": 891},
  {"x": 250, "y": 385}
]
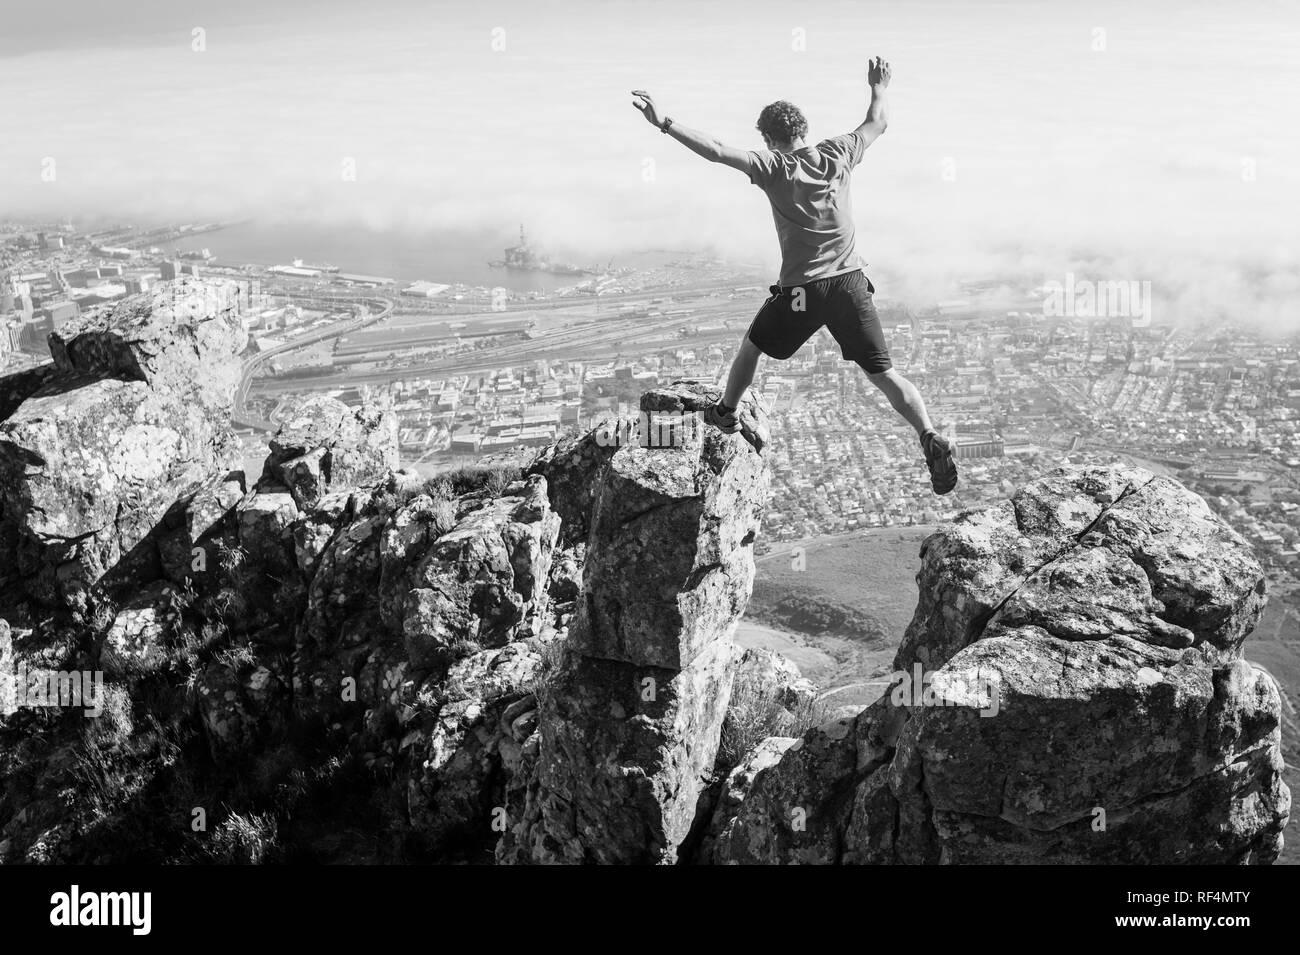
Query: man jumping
[{"x": 822, "y": 280}]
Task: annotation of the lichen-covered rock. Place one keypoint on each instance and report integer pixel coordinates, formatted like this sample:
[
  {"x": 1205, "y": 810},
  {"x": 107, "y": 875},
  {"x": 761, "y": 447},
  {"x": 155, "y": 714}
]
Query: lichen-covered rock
[
  {"x": 573, "y": 467},
  {"x": 796, "y": 807},
  {"x": 479, "y": 582},
  {"x": 88, "y": 471},
  {"x": 669, "y": 560},
  {"x": 313, "y": 533},
  {"x": 556, "y": 661},
  {"x": 1070, "y": 690},
  {"x": 324, "y": 445},
  {"x": 265, "y": 521},
  {"x": 566, "y": 573},
  {"x": 971, "y": 566},
  {"x": 341, "y": 626},
  {"x": 189, "y": 527},
  {"x": 132, "y": 414},
  {"x": 461, "y": 758},
  {"x": 630, "y": 721},
  {"x": 182, "y": 337},
  {"x": 1098, "y": 753},
  {"x": 420, "y": 588},
  {"x": 623, "y": 753}
]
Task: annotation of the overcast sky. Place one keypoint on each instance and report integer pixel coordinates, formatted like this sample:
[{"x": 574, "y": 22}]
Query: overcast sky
[{"x": 1150, "y": 141}]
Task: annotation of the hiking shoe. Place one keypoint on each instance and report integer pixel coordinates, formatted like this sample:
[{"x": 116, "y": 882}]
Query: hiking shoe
[
  {"x": 726, "y": 422},
  {"x": 938, "y": 458}
]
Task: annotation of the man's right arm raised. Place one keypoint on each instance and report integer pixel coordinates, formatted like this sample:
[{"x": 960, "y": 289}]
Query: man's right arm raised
[{"x": 877, "y": 121}]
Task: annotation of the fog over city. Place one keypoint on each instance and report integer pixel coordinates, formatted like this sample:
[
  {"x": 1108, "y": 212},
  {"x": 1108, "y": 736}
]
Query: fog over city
[{"x": 1123, "y": 142}]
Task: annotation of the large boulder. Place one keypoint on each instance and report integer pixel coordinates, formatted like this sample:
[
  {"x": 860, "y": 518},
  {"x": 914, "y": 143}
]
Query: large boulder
[
  {"x": 1070, "y": 690},
  {"x": 132, "y": 414},
  {"x": 1103, "y": 751},
  {"x": 182, "y": 337},
  {"x": 88, "y": 468},
  {"x": 971, "y": 566},
  {"x": 1092, "y": 551}
]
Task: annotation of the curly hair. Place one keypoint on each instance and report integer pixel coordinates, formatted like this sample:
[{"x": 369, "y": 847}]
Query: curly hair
[{"x": 782, "y": 122}]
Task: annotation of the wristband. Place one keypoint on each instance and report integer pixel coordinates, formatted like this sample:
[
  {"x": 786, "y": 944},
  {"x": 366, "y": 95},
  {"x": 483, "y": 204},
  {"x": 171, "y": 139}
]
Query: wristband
[{"x": 663, "y": 127}]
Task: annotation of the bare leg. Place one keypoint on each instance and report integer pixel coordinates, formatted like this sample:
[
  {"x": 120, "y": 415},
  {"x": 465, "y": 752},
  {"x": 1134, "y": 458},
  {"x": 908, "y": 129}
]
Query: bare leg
[
  {"x": 743, "y": 367},
  {"x": 902, "y": 394}
]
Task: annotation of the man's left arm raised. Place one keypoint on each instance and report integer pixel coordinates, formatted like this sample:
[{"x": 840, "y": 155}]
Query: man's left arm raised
[{"x": 701, "y": 144}]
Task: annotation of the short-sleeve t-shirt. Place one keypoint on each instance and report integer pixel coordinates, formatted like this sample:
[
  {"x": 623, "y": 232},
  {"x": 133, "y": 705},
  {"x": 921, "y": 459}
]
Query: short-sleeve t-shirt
[{"x": 811, "y": 206}]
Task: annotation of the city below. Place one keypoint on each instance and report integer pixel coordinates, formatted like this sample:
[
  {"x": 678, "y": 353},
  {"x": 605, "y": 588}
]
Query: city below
[{"x": 473, "y": 370}]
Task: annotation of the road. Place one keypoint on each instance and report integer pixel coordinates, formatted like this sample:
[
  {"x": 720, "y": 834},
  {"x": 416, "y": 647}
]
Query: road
[{"x": 241, "y": 417}]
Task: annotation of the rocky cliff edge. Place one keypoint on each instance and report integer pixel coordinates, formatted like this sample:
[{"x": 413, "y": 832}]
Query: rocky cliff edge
[{"x": 532, "y": 661}]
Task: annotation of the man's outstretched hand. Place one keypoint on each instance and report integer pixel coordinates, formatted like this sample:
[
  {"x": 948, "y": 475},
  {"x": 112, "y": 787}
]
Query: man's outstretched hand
[
  {"x": 646, "y": 104},
  {"x": 878, "y": 72}
]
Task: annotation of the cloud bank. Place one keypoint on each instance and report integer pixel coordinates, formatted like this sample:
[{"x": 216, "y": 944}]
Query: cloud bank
[{"x": 1025, "y": 140}]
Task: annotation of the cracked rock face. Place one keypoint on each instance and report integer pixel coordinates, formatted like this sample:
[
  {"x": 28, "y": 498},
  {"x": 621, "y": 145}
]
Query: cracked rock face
[
  {"x": 480, "y": 582},
  {"x": 545, "y": 670},
  {"x": 1086, "y": 700},
  {"x": 1085, "y": 550},
  {"x": 573, "y": 467},
  {"x": 631, "y": 720},
  {"x": 478, "y": 739},
  {"x": 87, "y": 473},
  {"x": 669, "y": 562},
  {"x": 415, "y": 640},
  {"x": 1140, "y": 733},
  {"x": 410, "y": 589},
  {"x": 132, "y": 414},
  {"x": 194, "y": 521},
  {"x": 324, "y": 445},
  {"x": 182, "y": 336}
]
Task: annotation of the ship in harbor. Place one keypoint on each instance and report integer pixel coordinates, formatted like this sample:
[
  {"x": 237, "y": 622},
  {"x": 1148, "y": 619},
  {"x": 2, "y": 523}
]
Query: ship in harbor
[
  {"x": 315, "y": 266},
  {"x": 524, "y": 258}
]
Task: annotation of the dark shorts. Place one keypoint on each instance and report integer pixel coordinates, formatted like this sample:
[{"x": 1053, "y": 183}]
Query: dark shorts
[{"x": 842, "y": 303}]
